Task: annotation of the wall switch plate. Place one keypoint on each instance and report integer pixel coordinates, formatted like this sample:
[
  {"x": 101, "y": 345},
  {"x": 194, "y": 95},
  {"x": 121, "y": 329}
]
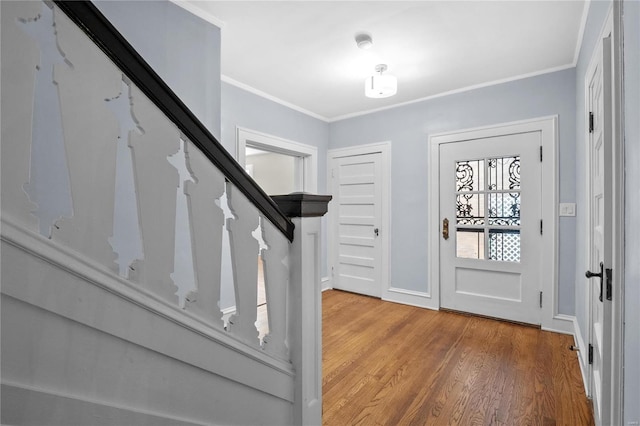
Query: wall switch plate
[{"x": 567, "y": 209}]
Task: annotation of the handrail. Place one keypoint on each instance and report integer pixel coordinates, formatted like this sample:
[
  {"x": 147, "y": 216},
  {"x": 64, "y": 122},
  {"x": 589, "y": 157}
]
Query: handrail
[{"x": 97, "y": 27}]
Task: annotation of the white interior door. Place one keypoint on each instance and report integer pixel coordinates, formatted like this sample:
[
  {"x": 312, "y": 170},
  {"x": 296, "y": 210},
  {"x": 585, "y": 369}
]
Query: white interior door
[
  {"x": 356, "y": 211},
  {"x": 600, "y": 248},
  {"x": 490, "y": 208}
]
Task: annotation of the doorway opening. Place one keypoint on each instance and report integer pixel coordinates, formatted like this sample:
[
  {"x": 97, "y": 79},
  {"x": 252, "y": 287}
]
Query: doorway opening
[{"x": 280, "y": 167}]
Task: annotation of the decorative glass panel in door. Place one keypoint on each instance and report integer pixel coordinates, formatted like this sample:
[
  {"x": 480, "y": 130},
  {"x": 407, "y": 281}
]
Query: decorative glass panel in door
[{"x": 488, "y": 208}]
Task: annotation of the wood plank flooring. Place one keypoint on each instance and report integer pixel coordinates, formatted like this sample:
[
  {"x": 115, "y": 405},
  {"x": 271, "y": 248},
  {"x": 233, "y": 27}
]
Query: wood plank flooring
[{"x": 391, "y": 364}]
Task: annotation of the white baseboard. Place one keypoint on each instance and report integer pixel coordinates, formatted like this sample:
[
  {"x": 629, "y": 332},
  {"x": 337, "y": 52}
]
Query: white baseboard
[
  {"x": 326, "y": 284},
  {"x": 409, "y": 297},
  {"x": 561, "y": 323},
  {"x": 583, "y": 355}
]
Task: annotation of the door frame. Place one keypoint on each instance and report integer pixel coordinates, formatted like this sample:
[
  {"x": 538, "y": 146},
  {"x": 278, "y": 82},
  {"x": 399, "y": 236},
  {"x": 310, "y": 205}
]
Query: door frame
[
  {"x": 384, "y": 148},
  {"x": 611, "y": 27},
  {"x": 548, "y": 127},
  {"x": 263, "y": 141}
]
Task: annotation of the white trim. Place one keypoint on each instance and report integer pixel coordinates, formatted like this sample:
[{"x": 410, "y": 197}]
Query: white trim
[
  {"x": 407, "y": 297},
  {"x": 548, "y": 126},
  {"x": 383, "y": 148},
  {"x": 618, "y": 216},
  {"x": 583, "y": 354},
  {"x": 272, "y": 98},
  {"x": 195, "y": 10},
  {"x": 456, "y": 91},
  {"x": 280, "y": 145},
  {"x": 294, "y": 107},
  {"x": 326, "y": 284},
  {"x": 562, "y": 324}
]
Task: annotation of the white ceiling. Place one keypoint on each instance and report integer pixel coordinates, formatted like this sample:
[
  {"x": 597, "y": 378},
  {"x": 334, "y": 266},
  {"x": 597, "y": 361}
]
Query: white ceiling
[{"x": 303, "y": 53}]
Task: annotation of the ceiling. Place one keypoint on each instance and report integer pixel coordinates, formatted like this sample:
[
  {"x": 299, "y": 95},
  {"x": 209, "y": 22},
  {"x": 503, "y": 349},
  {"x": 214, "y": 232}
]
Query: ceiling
[{"x": 303, "y": 53}]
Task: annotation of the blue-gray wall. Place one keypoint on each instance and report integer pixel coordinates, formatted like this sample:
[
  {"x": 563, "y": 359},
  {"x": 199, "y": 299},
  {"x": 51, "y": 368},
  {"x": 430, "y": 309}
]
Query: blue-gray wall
[
  {"x": 243, "y": 109},
  {"x": 408, "y": 128},
  {"x": 631, "y": 17},
  {"x": 181, "y": 47}
]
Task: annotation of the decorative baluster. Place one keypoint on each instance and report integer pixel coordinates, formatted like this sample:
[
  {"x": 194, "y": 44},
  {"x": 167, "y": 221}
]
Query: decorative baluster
[
  {"x": 276, "y": 280},
  {"x": 48, "y": 186},
  {"x": 126, "y": 240},
  {"x": 91, "y": 135},
  {"x": 19, "y": 64},
  {"x": 207, "y": 223},
  {"x": 244, "y": 260},
  {"x": 156, "y": 185}
]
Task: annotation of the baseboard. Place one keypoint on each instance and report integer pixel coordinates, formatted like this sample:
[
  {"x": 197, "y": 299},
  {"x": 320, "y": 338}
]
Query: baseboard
[
  {"x": 583, "y": 355},
  {"x": 409, "y": 297},
  {"x": 561, "y": 323},
  {"x": 326, "y": 284}
]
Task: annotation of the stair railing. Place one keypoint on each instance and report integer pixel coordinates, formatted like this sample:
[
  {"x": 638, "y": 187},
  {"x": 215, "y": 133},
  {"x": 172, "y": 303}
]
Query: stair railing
[{"x": 110, "y": 166}]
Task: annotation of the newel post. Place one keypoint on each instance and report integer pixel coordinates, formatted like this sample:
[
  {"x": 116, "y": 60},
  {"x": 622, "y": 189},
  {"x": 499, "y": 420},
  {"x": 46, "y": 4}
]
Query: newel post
[{"x": 305, "y": 303}]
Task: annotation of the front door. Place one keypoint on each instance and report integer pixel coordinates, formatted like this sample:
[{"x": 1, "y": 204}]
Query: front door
[
  {"x": 357, "y": 209},
  {"x": 490, "y": 212},
  {"x": 600, "y": 247}
]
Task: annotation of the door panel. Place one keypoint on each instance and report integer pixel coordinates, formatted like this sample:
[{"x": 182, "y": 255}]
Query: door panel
[
  {"x": 357, "y": 200},
  {"x": 490, "y": 192},
  {"x": 600, "y": 248}
]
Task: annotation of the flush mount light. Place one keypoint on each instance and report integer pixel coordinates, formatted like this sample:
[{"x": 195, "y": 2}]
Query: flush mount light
[
  {"x": 363, "y": 40},
  {"x": 379, "y": 85}
]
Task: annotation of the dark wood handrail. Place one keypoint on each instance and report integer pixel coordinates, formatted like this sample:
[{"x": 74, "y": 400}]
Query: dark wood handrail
[{"x": 117, "y": 48}]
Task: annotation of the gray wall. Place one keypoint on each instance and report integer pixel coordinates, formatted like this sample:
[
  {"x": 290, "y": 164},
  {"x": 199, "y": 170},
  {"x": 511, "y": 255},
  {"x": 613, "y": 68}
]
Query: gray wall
[
  {"x": 244, "y": 109},
  {"x": 632, "y": 210},
  {"x": 179, "y": 46},
  {"x": 408, "y": 128}
]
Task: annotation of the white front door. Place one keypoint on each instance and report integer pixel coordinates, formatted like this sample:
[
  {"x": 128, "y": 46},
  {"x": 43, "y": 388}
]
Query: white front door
[
  {"x": 356, "y": 212},
  {"x": 490, "y": 212},
  {"x": 600, "y": 247}
]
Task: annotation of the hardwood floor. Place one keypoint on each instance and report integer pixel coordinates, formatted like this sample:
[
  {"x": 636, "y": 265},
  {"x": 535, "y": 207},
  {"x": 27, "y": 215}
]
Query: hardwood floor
[{"x": 391, "y": 364}]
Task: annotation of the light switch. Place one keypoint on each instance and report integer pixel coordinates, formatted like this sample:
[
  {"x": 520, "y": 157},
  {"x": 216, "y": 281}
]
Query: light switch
[{"x": 567, "y": 209}]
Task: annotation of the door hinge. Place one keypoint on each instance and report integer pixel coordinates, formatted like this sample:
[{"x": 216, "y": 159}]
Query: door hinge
[
  {"x": 333, "y": 173},
  {"x": 541, "y": 153},
  {"x": 590, "y": 353},
  {"x": 590, "y": 122},
  {"x": 541, "y": 299},
  {"x": 609, "y": 277},
  {"x": 540, "y": 226},
  {"x": 333, "y": 273}
]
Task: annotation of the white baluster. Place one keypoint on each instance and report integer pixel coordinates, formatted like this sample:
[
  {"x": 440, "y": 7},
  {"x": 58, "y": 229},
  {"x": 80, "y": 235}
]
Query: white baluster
[
  {"x": 91, "y": 134},
  {"x": 207, "y": 223},
  {"x": 156, "y": 186},
  {"x": 49, "y": 186},
  {"x": 276, "y": 279},
  {"x": 126, "y": 240},
  {"x": 183, "y": 270},
  {"x": 244, "y": 260},
  {"x": 19, "y": 62}
]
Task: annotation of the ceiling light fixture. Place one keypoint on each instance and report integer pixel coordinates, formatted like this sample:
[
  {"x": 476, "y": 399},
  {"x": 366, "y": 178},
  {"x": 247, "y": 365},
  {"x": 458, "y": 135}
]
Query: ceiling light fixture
[
  {"x": 380, "y": 86},
  {"x": 363, "y": 40}
]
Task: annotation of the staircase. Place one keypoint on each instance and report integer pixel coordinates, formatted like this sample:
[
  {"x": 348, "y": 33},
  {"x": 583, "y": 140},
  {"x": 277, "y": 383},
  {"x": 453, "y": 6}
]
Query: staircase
[{"x": 124, "y": 225}]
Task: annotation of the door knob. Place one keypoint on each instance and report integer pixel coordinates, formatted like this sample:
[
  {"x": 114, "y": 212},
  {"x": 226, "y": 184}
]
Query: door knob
[
  {"x": 600, "y": 275},
  {"x": 376, "y": 231}
]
